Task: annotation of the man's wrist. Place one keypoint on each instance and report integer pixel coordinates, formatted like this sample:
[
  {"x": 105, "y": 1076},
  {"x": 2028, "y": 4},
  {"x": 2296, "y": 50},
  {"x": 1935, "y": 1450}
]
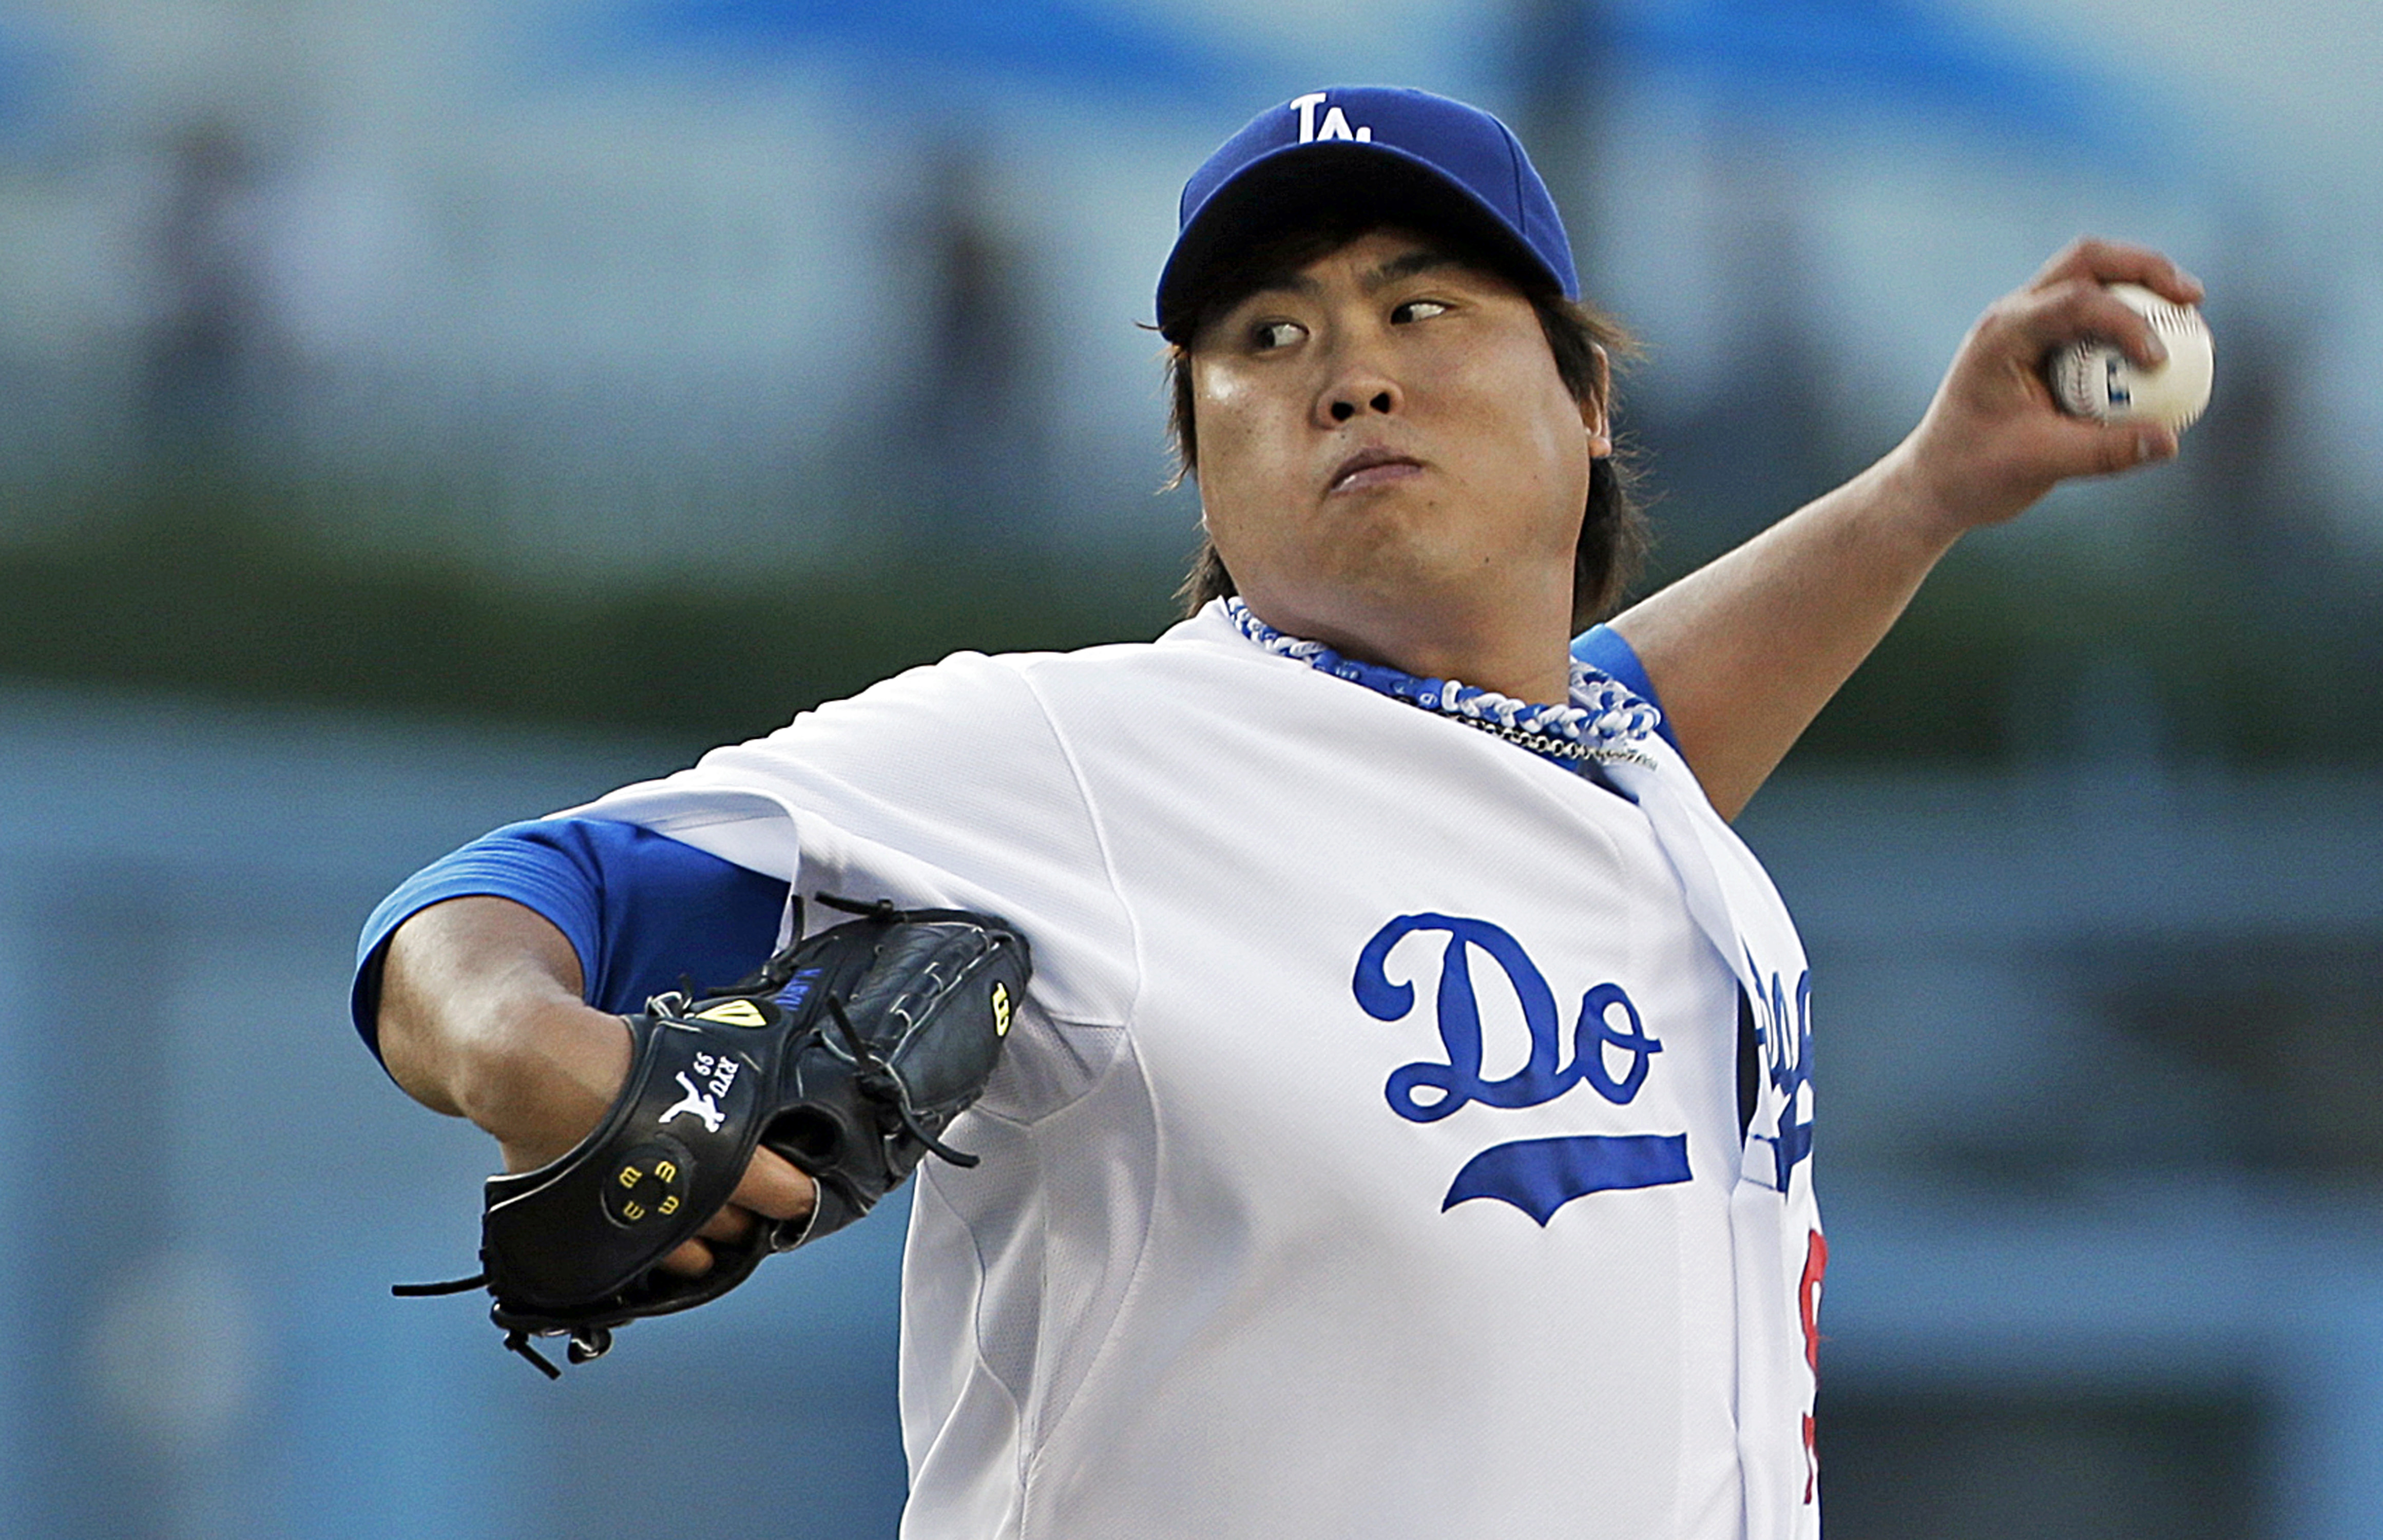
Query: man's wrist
[
  {"x": 1921, "y": 510},
  {"x": 544, "y": 1075}
]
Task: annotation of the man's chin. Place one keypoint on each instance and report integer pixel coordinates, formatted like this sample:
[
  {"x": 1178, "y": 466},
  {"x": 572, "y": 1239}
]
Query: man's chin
[{"x": 1377, "y": 612}]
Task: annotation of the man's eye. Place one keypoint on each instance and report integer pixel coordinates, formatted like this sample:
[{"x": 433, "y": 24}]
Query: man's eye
[
  {"x": 1274, "y": 334},
  {"x": 1417, "y": 310}
]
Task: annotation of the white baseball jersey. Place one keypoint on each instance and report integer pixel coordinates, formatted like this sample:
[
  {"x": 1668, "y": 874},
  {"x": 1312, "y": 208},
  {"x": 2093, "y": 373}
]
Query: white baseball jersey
[{"x": 1366, "y": 1161}]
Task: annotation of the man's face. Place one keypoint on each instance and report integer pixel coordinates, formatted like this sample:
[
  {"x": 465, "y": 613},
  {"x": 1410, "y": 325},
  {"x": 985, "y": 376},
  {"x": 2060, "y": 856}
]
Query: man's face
[{"x": 1387, "y": 450}]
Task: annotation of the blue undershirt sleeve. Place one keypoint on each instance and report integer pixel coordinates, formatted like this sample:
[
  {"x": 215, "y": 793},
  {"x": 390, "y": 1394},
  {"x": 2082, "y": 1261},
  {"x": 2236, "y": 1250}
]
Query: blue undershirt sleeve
[
  {"x": 642, "y": 910},
  {"x": 1601, "y": 648}
]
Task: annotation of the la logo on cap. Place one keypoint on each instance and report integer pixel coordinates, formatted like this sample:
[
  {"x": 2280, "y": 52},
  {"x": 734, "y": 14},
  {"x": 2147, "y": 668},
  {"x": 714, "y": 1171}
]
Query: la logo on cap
[{"x": 1335, "y": 124}]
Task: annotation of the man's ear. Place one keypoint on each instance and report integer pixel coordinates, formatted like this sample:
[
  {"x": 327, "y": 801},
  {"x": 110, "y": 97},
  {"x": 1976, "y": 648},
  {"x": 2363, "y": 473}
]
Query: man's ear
[{"x": 1592, "y": 411}]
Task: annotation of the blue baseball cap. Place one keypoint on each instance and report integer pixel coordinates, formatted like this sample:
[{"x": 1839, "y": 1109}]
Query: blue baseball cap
[{"x": 1419, "y": 158}]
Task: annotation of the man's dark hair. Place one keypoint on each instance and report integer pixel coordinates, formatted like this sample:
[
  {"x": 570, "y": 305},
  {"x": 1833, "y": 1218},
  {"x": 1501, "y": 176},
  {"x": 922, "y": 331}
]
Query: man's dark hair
[{"x": 1613, "y": 527}]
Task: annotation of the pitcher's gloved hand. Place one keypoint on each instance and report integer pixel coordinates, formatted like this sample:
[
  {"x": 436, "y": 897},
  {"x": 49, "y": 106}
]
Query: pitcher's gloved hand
[{"x": 848, "y": 1053}]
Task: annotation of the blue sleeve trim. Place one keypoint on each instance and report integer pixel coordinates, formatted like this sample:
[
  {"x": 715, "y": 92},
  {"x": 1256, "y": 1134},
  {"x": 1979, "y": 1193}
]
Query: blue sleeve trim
[
  {"x": 642, "y": 910},
  {"x": 1603, "y": 647}
]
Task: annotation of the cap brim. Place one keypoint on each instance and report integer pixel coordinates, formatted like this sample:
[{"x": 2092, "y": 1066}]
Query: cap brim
[{"x": 1303, "y": 183}]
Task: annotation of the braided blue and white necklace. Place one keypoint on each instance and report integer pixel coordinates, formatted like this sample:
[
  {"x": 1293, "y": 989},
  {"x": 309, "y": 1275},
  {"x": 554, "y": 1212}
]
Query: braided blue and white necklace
[{"x": 1602, "y": 724}]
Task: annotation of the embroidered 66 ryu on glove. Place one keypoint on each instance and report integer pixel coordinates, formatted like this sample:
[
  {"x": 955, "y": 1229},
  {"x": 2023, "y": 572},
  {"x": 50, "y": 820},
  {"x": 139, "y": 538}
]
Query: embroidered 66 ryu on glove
[{"x": 848, "y": 1053}]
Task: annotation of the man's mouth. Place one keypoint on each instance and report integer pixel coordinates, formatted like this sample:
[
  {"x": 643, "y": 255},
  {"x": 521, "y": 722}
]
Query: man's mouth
[{"x": 1371, "y": 467}]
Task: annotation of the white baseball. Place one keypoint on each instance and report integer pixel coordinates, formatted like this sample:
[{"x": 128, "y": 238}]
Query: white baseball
[{"x": 2094, "y": 379}]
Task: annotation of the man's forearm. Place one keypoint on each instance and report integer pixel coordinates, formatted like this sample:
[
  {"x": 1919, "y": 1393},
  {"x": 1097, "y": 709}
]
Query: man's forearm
[
  {"x": 481, "y": 1018},
  {"x": 1746, "y": 650}
]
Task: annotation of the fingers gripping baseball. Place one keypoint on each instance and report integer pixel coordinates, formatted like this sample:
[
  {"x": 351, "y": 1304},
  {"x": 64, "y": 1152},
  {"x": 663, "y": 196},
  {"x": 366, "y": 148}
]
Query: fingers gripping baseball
[
  {"x": 2047, "y": 315},
  {"x": 1994, "y": 439},
  {"x": 2093, "y": 260}
]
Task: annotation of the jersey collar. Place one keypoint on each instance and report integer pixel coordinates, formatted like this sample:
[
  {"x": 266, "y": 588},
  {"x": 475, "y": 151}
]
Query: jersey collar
[{"x": 1603, "y": 722}]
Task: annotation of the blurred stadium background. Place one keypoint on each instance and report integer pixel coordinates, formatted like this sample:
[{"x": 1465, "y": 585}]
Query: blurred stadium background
[{"x": 421, "y": 415}]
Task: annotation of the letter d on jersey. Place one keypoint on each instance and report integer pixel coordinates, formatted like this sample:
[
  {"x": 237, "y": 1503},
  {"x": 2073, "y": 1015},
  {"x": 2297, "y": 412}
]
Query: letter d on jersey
[{"x": 1544, "y": 1076}]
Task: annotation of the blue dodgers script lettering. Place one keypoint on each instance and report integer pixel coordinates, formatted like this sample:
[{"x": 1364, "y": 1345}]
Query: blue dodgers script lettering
[
  {"x": 1459, "y": 1080},
  {"x": 1536, "y": 1176},
  {"x": 1783, "y": 1027},
  {"x": 1540, "y": 1175}
]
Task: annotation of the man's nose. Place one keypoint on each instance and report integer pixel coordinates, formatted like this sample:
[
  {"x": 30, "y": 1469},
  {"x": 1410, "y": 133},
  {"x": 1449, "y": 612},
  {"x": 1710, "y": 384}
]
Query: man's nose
[
  {"x": 1358, "y": 387},
  {"x": 1344, "y": 407}
]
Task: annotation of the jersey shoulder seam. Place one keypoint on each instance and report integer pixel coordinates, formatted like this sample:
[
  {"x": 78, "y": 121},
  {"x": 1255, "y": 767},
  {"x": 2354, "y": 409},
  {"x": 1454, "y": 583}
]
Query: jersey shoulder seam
[
  {"x": 1037, "y": 1439},
  {"x": 1102, "y": 842}
]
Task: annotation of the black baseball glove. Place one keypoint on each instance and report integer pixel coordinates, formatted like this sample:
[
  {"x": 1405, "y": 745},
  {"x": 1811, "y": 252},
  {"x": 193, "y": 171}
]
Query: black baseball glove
[{"x": 848, "y": 1053}]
